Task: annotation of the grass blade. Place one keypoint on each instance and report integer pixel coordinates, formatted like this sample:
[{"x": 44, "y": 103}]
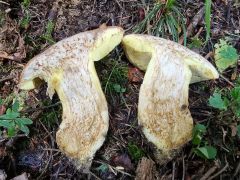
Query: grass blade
[{"x": 208, "y": 17}]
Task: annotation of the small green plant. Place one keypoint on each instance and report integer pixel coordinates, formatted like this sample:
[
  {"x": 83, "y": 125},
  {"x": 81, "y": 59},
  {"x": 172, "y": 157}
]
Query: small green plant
[
  {"x": 103, "y": 168},
  {"x": 196, "y": 43},
  {"x": 48, "y": 32},
  {"x": 225, "y": 55},
  {"x": 25, "y": 21},
  {"x": 201, "y": 147},
  {"x": 164, "y": 17},
  {"x": 114, "y": 80},
  {"x": 13, "y": 122},
  {"x": 208, "y": 18},
  {"x": 26, "y": 3},
  {"x": 228, "y": 101},
  {"x": 135, "y": 152}
]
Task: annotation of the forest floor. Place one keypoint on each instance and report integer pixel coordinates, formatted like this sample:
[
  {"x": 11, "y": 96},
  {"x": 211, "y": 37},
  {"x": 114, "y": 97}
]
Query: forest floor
[{"x": 25, "y": 31}]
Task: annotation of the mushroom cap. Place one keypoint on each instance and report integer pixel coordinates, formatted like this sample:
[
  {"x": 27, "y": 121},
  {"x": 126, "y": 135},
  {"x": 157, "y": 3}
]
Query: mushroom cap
[
  {"x": 139, "y": 49},
  {"x": 68, "y": 68},
  {"x": 163, "y": 98}
]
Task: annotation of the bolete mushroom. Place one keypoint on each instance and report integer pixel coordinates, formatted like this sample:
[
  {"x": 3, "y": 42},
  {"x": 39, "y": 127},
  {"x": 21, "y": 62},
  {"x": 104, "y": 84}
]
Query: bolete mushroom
[
  {"x": 68, "y": 68},
  {"x": 163, "y": 98}
]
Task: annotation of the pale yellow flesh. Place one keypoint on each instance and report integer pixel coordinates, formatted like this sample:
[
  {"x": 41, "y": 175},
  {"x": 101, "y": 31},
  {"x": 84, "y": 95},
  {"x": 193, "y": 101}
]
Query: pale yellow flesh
[
  {"x": 68, "y": 68},
  {"x": 163, "y": 99}
]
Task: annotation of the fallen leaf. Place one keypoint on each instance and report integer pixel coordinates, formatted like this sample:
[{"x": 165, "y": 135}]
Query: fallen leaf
[
  {"x": 233, "y": 129},
  {"x": 23, "y": 176},
  {"x": 141, "y": 14},
  {"x": 124, "y": 161},
  {"x": 135, "y": 75},
  {"x": 2, "y": 109},
  {"x": 145, "y": 169}
]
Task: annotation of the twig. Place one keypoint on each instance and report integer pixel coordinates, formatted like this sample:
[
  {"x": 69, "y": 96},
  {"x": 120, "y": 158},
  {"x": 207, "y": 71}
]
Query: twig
[
  {"x": 224, "y": 78},
  {"x": 209, "y": 172},
  {"x": 220, "y": 172},
  {"x": 196, "y": 19},
  {"x": 173, "y": 170},
  {"x": 42, "y": 108},
  {"x": 114, "y": 168},
  {"x": 237, "y": 169},
  {"x": 6, "y": 78},
  {"x": 53, "y": 12},
  {"x": 5, "y": 3},
  {"x": 183, "y": 168}
]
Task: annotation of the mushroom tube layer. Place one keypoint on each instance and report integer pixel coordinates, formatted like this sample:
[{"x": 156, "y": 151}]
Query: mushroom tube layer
[
  {"x": 68, "y": 68},
  {"x": 163, "y": 98}
]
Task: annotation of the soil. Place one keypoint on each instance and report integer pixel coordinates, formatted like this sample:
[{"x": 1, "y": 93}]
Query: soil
[{"x": 38, "y": 154}]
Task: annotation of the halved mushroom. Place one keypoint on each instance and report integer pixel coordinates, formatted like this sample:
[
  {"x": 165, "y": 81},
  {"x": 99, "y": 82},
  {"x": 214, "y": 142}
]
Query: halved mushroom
[
  {"x": 68, "y": 68},
  {"x": 163, "y": 99}
]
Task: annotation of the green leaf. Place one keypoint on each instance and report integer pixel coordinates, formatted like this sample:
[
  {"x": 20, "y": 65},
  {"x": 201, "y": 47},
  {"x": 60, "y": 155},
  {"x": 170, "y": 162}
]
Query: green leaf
[
  {"x": 198, "y": 131},
  {"x": 118, "y": 88},
  {"x": 1, "y": 101},
  {"x": 135, "y": 152},
  {"x": 218, "y": 102},
  {"x": 5, "y": 123},
  {"x": 235, "y": 93},
  {"x": 102, "y": 168},
  {"x": 24, "y": 129},
  {"x": 238, "y": 130},
  {"x": 26, "y": 3},
  {"x": 225, "y": 56},
  {"x": 15, "y": 106},
  {"x": 11, "y": 131},
  {"x": 9, "y": 115},
  {"x": 24, "y": 121},
  {"x": 199, "y": 128},
  {"x": 206, "y": 152}
]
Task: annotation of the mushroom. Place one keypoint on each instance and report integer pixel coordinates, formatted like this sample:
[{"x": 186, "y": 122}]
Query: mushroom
[
  {"x": 163, "y": 110},
  {"x": 68, "y": 68}
]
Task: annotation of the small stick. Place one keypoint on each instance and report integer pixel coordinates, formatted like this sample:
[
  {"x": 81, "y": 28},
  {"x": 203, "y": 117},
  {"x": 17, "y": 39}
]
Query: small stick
[
  {"x": 229, "y": 82},
  {"x": 6, "y": 78},
  {"x": 220, "y": 172},
  {"x": 237, "y": 169},
  {"x": 4, "y": 3},
  {"x": 209, "y": 172},
  {"x": 196, "y": 19}
]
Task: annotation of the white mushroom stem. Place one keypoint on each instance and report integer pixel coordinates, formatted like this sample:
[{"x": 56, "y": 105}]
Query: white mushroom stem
[
  {"x": 68, "y": 68},
  {"x": 163, "y": 99}
]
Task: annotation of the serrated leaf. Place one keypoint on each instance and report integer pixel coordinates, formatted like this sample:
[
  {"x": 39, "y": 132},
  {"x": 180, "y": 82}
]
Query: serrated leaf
[
  {"x": 206, "y": 152},
  {"x": 225, "y": 56},
  {"x": 218, "y": 102},
  {"x": 1, "y": 101},
  {"x": 24, "y": 121},
  {"x": 235, "y": 93}
]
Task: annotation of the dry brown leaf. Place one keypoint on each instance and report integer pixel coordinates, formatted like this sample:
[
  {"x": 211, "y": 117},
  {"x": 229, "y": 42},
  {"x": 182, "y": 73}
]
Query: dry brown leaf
[
  {"x": 145, "y": 169},
  {"x": 124, "y": 161},
  {"x": 2, "y": 109}
]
